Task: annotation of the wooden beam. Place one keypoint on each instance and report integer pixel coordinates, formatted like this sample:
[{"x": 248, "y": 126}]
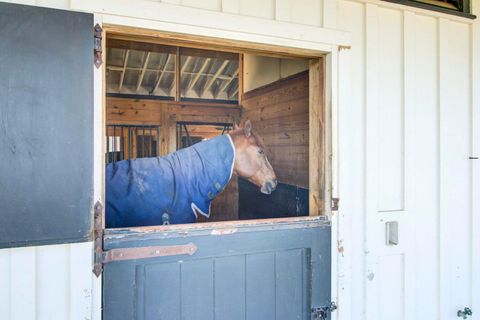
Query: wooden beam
[
  {"x": 195, "y": 52},
  {"x": 138, "y": 46},
  {"x": 185, "y": 65},
  {"x": 240, "y": 78},
  {"x": 215, "y": 76},
  {"x": 164, "y": 130},
  {"x": 162, "y": 72},
  {"x": 226, "y": 83},
  {"x": 178, "y": 81},
  {"x": 142, "y": 74},
  {"x": 122, "y": 76},
  {"x": 200, "y": 72},
  {"x": 232, "y": 93},
  {"x": 316, "y": 146}
]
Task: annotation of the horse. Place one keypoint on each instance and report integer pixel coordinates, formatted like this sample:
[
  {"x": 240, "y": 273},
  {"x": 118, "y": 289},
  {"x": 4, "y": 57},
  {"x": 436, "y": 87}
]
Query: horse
[{"x": 178, "y": 187}]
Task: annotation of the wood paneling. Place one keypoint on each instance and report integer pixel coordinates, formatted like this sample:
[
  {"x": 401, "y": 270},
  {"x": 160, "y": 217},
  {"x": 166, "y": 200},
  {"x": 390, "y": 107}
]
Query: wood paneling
[
  {"x": 166, "y": 114},
  {"x": 279, "y": 113}
]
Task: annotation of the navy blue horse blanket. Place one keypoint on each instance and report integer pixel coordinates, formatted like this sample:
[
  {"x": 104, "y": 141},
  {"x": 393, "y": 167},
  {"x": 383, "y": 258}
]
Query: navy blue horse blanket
[{"x": 179, "y": 186}]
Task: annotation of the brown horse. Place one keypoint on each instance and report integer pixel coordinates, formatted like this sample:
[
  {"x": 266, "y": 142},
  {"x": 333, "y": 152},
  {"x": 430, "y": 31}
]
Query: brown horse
[
  {"x": 178, "y": 187},
  {"x": 251, "y": 161}
]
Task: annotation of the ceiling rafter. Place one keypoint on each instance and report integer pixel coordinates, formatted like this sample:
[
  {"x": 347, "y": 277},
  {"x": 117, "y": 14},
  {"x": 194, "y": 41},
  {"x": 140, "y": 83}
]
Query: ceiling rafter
[
  {"x": 142, "y": 74},
  {"x": 226, "y": 83},
  {"x": 200, "y": 72},
  {"x": 122, "y": 76},
  {"x": 162, "y": 72},
  {"x": 215, "y": 76}
]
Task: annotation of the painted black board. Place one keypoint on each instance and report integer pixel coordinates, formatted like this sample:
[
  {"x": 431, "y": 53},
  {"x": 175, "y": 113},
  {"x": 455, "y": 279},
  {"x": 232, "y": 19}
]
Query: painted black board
[
  {"x": 285, "y": 201},
  {"x": 46, "y": 125},
  {"x": 257, "y": 272}
]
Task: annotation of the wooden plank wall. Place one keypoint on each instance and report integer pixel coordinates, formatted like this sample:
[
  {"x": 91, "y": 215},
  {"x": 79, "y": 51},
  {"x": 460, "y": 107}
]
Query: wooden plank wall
[
  {"x": 279, "y": 113},
  {"x": 166, "y": 114}
]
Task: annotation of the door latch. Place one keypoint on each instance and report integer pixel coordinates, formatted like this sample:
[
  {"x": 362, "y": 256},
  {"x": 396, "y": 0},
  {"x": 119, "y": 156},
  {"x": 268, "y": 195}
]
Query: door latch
[
  {"x": 321, "y": 313},
  {"x": 465, "y": 313}
]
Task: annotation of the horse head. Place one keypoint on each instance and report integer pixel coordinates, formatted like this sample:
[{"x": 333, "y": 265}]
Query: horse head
[{"x": 251, "y": 160}]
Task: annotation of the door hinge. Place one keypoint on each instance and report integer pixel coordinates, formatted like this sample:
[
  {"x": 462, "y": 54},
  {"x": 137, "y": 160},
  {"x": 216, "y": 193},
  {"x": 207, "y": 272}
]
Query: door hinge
[
  {"x": 322, "y": 313},
  {"x": 97, "y": 45},
  {"x": 335, "y": 204},
  {"x": 101, "y": 257},
  {"x": 97, "y": 238}
]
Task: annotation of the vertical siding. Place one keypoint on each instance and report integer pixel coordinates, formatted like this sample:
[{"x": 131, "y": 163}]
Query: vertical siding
[
  {"x": 455, "y": 171},
  {"x": 410, "y": 133},
  {"x": 426, "y": 122},
  {"x": 47, "y": 282},
  {"x": 390, "y": 110},
  {"x": 351, "y": 16}
]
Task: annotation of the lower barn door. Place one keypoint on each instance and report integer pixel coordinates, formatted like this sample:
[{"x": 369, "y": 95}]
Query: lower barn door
[{"x": 251, "y": 271}]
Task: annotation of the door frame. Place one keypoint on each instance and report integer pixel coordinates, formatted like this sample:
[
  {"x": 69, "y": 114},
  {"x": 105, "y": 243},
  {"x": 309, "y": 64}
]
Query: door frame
[{"x": 327, "y": 57}]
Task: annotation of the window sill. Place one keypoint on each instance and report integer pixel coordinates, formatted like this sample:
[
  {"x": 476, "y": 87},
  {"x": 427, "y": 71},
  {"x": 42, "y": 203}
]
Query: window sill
[{"x": 433, "y": 8}]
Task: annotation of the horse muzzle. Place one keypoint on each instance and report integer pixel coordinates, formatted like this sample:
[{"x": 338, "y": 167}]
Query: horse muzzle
[{"x": 269, "y": 186}]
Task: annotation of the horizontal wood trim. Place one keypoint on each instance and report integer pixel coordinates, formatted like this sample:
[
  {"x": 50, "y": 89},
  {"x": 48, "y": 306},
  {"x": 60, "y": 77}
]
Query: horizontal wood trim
[
  {"x": 209, "y": 43},
  {"x": 139, "y": 46},
  {"x": 195, "y": 52}
]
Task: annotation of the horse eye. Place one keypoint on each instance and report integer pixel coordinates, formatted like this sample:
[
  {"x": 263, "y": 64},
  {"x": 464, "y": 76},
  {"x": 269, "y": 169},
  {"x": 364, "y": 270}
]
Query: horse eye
[{"x": 260, "y": 151}]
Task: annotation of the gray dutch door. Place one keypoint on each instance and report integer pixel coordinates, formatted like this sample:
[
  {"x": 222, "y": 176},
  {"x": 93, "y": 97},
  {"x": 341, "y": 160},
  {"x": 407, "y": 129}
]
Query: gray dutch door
[{"x": 265, "y": 271}]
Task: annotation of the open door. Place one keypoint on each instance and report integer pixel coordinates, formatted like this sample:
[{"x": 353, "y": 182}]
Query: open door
[{"x": 46, "y": 126}]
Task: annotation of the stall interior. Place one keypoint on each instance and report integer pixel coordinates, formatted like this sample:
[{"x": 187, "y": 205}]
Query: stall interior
[{"x": 162, "y": 98}]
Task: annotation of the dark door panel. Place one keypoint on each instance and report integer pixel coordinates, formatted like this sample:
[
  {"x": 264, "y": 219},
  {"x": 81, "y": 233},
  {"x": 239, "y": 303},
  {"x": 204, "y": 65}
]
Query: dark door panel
[{"x": 46, "y": 125}]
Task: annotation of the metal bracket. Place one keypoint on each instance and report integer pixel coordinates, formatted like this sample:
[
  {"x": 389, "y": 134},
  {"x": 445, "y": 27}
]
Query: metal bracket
[
  {"x": 322, "y": 312},
  {"x": 98, "y": 238},
  {"x": 97, "y": 45},
  {"x": 101, "y": 257},
  {"x": 335, "y": 202},
  {"x": 465, "y": 313}
]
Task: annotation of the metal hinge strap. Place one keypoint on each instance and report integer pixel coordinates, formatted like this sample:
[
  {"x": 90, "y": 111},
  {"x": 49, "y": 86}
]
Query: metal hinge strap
[
  {"x": 322, "y": 313},
  {"x": 97, "y": 45},
  {"x": 335, "y": 202},
  {"x": 147, "y": 252},
  {"x": 101, "y": 257}
]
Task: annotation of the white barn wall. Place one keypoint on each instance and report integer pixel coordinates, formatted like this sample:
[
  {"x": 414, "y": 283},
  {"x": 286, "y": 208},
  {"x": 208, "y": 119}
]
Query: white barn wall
[
  {"x": 47, "y": 282},
  {"x": 407, "y": 122},
  {"x": 410, "y": 132}
]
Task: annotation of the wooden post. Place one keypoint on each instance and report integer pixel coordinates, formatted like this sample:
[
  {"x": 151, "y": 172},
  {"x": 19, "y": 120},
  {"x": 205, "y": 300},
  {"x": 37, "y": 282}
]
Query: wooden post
[
  {"x": 240, "y": 78},
  {"x": 164, "y": 130},
  {"x": 316, "y": 146},
  {"x": 178, "y": 82}
]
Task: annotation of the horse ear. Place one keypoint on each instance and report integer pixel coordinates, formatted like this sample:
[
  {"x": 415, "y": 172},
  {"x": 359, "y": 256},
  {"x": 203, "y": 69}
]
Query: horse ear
[{"x": 247, "y": 128}]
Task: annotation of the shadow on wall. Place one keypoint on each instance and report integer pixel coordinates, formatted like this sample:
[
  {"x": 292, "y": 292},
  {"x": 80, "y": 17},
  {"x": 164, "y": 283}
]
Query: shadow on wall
[{"x": 286, "y": 201}]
